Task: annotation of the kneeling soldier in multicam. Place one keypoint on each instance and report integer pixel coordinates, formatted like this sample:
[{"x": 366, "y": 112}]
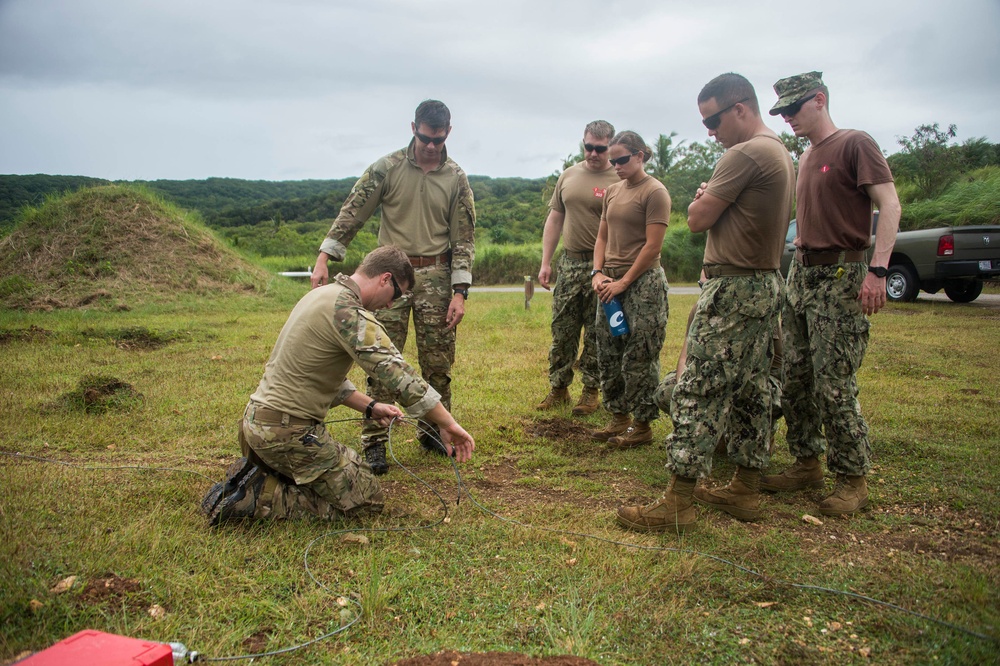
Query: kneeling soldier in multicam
[{"x": 291, "y": 465}]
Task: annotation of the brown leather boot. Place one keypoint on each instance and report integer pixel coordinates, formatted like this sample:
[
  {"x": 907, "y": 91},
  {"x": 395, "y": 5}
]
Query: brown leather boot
[
  {"x": 674, "y": 511},
  {"x": 850, "y": 494},
  {"x": 740, "y": 499},
  {"x": 590, "y": 400},
  {"x": 556, "y": 398},
  {"x": 619, "y": 424},
  {"x": 804, "y": 473},
  {"x": 638, "y": 434}
]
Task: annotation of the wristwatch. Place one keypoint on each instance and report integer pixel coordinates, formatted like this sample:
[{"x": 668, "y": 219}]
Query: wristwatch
[
  {"x": 462, "y": 290},
  {"x": 879, "y": 271},
  {"x": 595, "y": 272}
]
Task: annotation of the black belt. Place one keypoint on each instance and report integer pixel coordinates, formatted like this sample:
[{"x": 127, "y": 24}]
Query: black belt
[{"x": 828, "y": 258}]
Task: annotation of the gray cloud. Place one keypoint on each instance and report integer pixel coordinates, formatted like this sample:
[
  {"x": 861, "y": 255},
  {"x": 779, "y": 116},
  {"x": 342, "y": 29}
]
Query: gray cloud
[{"x": 303, "y": 89}]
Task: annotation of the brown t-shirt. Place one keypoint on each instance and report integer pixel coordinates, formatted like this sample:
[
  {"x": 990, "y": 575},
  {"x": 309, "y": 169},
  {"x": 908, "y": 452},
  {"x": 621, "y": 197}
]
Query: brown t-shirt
[
  {"x": 757, "y": 178},
  {"x": 579, "y": 194},
  {"x": 627, "y": 212},
  {"x": 834, "y": 210}
]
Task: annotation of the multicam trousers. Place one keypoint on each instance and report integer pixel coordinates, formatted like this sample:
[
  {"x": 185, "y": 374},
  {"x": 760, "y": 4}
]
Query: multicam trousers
[
  {"x": 724, "y": 389},
  {"x": 308, "y": 472},
  {"x": 630, "y": 364},
  {"x": 429, "y": 300},
  {"x": 825, "y": 338},
  {"x": 573, "y": 304}
]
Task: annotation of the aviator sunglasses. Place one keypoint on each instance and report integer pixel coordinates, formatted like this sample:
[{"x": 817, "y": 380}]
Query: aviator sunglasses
[
  {"x": 793, "y": 108},
  {"x": 591, "y": 148},
  {"x": 713, "y": 121},
  {"x": 623, "y": 160},
  {"x": 437, "y": 140}
]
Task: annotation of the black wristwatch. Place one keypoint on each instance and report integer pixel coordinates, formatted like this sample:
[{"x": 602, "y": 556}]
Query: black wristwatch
[
  {"x": 462, "y": 290},
  {"x": 879, "y": 271},
  {"x": 595, "y": 272}
]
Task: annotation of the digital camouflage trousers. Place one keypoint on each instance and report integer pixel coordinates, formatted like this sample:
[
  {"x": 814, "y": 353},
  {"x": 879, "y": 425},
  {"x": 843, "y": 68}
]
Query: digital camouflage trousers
[
  {"x": 725, "y": 388},
  {"x": 825, "y": 338},
  {"x": 630, "y": 364},
  {"x": 574, "y": 303}
]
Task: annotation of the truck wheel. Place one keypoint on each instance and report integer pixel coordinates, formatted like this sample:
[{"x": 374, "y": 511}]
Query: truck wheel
[
  {"x": 901, "y": 284},
  {"x": 963, "y": 291}
]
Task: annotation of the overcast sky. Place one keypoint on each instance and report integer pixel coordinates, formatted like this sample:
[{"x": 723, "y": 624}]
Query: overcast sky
[{"x": 294, "y": 89}]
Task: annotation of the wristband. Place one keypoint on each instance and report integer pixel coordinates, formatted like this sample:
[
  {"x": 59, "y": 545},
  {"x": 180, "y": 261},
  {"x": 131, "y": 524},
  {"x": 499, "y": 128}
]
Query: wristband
[{"x": 369, "y": 408}]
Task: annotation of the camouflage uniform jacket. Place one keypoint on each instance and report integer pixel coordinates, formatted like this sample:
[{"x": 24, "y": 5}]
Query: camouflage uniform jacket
[
  {"x": 425, "y": 214},
  {"x": 327, "y": 332}
]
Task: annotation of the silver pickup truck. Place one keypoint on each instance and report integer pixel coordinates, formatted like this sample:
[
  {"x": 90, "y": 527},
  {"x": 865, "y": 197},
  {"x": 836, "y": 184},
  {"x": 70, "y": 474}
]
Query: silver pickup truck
[{"x": 956, "y": 259}]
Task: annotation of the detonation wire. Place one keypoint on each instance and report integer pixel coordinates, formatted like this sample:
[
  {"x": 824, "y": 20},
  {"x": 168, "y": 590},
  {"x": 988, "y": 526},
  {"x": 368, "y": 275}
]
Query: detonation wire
[{"x": 463, "y": 488}]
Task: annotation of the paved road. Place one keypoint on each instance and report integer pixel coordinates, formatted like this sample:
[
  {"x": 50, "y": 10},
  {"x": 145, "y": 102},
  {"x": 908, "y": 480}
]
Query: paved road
[{"x": 991, "y": 301}]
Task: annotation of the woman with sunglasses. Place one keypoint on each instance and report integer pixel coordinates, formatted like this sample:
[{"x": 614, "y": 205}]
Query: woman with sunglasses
[{"x": 627, "y": 267}]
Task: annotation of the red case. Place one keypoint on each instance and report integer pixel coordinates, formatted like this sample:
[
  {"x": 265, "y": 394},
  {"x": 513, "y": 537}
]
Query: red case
[{"x": 96, "y": 648}]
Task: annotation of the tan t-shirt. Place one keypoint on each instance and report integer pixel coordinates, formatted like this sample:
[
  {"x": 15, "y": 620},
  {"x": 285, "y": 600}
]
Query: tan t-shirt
[
  {"x": 757, "y": 178},
  {"x": 628, "y": 211},
  {"x": 327, "y": 332},
  {"x": 834, "y": 210},
  {"x": 579, "y": 194}
]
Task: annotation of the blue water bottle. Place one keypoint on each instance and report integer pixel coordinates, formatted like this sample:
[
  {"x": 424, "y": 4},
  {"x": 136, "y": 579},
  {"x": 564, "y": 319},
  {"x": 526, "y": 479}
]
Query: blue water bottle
[{"x": 616, "y": 317}]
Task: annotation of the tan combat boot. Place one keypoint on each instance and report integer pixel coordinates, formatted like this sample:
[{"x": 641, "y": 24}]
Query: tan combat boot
[
  {"x": 619, "y": 424},
  {"x": 556, "y": 398},
  {"x": 805, "y": 473},
  {"x": 638, "y": 434},
  {"x": 740, "y": 499},
  {"x": 674, "y": 511},
  {"x": 589, "y": 402},
  {"x": 850, "y": 494}
]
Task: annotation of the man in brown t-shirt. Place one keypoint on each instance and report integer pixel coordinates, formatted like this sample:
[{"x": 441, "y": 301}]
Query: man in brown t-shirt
[
  {"x": 745, "y": 208},
  {"x": 830, "y": 292},
  {"x": 575, "y": 214}
]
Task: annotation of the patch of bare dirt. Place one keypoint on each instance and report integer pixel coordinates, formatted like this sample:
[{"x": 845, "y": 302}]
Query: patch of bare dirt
[
  {"x": 113, "y": 589},
  {"x": 31, "y": 334},
  {"x": 452, "y": 658},
  {"x": 257, "y": 642},
  {"x": 558, "y": 429},
  {"x": 96, "y": 394}
]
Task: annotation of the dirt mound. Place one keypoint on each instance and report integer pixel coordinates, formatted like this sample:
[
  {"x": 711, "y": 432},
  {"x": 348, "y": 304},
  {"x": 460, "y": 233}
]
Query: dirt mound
[{"x": 107, "y": 246}]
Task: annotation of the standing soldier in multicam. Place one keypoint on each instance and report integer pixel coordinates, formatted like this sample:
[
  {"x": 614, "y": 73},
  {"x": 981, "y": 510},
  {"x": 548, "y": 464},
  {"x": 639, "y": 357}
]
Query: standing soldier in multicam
[
  {"x": 830, "y": 292},
  {"x": 292, "y": 466},
  {"x": 428, "y": 211},
  {"x": 627, "y": 267},
  {"x": 745, "y": 207},
  {"x": 575, "y": 214}
]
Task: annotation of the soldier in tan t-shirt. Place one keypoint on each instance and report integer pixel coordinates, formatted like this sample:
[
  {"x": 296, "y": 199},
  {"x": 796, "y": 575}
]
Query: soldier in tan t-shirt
[
  {"x": 627, "y": 268},
  {"x": 575, "y": 214},
  {"x": 745, "y": 209}
]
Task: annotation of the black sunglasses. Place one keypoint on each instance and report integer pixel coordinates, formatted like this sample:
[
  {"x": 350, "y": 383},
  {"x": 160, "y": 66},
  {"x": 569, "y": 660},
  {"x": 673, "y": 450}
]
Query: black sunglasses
[
  {"x": 397, "y": 293},
  {"x": 437, "y": 140},
  {"x": 795, "y": 107},
  {"x": 713, "y": 121},
  {"x": 623, "y": 160},
  {"x": 591, "y": 148}
]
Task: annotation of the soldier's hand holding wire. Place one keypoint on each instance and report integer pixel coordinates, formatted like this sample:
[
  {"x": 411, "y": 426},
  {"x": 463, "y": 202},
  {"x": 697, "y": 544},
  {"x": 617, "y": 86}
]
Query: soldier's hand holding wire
[
  {"x": 459, "y": 443},
  {"x": 383, "y": 413}
]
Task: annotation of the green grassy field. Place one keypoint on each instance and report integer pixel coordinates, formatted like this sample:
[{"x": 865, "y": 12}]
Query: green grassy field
[{"x": 536, "y": 565}]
